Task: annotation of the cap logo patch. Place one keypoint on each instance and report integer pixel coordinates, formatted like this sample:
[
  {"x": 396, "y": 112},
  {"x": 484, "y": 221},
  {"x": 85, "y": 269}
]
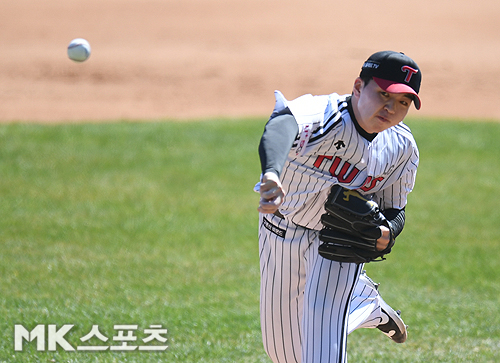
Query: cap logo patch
[
  {"x": 410, "y": 72},
  {"x": 371, "y": 65}
]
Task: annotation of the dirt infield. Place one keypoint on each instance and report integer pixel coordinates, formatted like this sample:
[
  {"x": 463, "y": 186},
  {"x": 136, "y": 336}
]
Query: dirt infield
[{"x": 164, "y": 59}]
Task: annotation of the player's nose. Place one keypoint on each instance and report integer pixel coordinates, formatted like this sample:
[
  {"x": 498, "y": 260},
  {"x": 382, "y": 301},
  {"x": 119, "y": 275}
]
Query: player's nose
[{"x": 390, "y": 105}]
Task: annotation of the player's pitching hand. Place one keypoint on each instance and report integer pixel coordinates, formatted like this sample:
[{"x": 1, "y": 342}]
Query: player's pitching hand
[{"x": 271, "y": 193}]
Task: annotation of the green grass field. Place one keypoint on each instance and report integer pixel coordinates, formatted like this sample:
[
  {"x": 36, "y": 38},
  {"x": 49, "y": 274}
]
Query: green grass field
[{"x": 156, "y": 223}]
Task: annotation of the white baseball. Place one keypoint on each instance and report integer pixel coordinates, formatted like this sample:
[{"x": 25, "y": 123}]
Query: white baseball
[{"x": 79, "y": 50}]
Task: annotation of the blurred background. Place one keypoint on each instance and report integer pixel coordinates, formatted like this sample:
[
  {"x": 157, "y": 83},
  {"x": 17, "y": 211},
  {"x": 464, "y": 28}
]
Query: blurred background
[{"x": 182, "y": 59}]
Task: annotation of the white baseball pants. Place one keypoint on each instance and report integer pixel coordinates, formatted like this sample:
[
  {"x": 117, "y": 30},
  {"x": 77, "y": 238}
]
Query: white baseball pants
[{"x": 309, "y": 304}]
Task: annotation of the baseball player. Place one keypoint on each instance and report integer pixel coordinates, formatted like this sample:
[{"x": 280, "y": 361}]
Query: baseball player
[{"x": 309, "y": 304}]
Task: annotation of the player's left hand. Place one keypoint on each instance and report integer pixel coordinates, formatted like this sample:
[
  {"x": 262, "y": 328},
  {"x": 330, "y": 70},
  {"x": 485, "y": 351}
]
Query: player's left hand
[{"x": 271, "y": 193}]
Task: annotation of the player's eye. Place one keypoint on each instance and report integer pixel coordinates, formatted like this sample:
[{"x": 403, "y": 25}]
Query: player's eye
[{"x": 384, "y": 93}]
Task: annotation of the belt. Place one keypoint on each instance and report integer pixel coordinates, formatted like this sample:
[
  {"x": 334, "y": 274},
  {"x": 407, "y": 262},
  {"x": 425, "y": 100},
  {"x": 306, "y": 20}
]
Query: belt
[{"x": 278, "y": 214}]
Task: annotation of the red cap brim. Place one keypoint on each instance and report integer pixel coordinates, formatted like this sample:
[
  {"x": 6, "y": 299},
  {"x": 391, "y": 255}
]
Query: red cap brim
[{"x": 394, "y": 87}]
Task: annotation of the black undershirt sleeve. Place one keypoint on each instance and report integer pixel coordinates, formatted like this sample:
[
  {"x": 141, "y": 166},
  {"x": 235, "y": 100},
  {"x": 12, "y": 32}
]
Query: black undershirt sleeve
[
  {"x": 277, "y": 140},
  {"x": 396, "y": 219}
]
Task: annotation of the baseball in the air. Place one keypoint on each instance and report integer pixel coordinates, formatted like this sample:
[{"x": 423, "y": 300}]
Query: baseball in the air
[{"x": 79, "y": 50}]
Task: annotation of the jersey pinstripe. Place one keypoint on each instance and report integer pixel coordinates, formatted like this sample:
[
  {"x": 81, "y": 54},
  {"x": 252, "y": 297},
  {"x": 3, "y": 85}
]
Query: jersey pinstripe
[{"x": 336, "y": 153}]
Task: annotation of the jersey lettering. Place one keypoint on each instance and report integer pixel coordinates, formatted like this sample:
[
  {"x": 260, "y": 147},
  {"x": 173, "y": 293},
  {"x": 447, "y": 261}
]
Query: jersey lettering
[
  {"x": 320, "y": 159},
  {"x": 342, "y": 175},
  {"x": 370, "y": 183}
]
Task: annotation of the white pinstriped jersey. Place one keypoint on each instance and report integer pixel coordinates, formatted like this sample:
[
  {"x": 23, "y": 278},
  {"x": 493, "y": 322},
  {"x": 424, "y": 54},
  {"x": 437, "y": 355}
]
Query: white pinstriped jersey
[{"x": 329, "y": 150}]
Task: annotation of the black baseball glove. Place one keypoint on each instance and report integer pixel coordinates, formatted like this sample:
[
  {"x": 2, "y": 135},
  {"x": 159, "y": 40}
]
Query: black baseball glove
[{"x": 351, "y": 228}]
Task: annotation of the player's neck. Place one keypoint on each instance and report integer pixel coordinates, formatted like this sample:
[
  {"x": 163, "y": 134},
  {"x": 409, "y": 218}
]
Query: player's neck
[{"x": 361, "y": 131}]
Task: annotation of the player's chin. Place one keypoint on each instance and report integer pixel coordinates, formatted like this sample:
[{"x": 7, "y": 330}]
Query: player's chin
[{"x": 383, "y": 123}]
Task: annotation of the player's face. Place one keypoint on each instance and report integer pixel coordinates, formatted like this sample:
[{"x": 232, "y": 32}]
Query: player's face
[{"x": 375, "y": 109}]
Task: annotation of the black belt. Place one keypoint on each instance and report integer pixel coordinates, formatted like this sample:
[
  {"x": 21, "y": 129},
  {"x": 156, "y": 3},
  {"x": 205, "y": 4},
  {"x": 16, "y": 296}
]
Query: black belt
[{"x": 278, "y": 214}]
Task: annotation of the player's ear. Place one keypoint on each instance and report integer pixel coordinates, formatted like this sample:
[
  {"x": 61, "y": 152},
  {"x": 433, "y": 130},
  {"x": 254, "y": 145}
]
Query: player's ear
[{"x": 358, "y": 85}]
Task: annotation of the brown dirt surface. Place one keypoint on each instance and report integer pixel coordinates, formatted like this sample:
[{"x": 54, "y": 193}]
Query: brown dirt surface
[{"x": 182, "y": 59}]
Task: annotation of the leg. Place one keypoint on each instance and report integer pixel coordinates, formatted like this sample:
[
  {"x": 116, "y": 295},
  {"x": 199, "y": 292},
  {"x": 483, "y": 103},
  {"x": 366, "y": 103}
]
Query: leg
[
  {"x": 365, "y": 306},
  {"x": 304, "y": 298},
  {"x": 327, "y": 298},
  {"x": 282, "y": 249},
  {"x": 369, "y": 310}
]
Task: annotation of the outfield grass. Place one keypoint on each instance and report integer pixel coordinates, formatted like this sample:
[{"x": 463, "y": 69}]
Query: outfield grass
[{"x": 155, "y": 223}]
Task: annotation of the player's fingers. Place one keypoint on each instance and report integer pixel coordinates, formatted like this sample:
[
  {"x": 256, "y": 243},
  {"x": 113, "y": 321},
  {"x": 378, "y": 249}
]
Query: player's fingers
[
  {"x": 272, "y": 193},
  {"x": 267, "y": 210},
  {"x": 269, "y": 205},
  {"x": 270, "y": 181},
  {"x": 268, "y": 185}
]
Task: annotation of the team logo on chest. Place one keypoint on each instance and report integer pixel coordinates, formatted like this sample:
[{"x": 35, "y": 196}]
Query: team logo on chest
[{"x": 344, "y": 171}]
